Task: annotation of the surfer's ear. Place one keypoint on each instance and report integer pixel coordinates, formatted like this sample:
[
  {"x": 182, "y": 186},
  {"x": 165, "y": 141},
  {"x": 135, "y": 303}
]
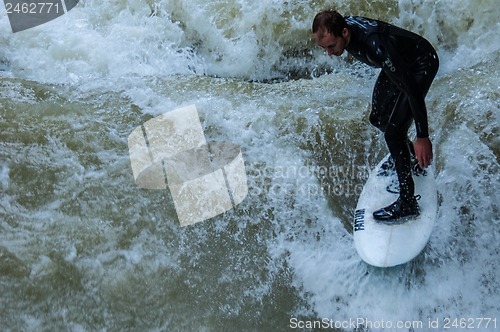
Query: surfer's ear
[{"x": 345, "y": 32}]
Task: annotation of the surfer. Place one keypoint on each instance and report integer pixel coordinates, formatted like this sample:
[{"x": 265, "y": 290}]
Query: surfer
[{"x": 409, "y": 64}]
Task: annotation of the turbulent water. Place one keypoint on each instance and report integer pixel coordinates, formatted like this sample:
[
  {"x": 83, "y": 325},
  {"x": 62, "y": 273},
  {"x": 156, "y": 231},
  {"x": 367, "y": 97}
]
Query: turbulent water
[{"x": 83, "y": 248}]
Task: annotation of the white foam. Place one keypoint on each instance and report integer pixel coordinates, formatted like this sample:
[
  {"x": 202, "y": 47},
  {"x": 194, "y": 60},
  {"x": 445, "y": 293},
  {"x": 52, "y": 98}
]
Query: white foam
[{"x": 4, "y": 177}]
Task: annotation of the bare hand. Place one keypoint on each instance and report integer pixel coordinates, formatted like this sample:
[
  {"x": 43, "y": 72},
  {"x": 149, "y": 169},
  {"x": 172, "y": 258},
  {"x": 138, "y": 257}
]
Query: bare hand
[{"x": 423, "y": 151}]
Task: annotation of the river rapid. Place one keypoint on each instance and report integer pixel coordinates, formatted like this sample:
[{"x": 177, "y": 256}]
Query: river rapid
[{"x": 83, "y": 248}]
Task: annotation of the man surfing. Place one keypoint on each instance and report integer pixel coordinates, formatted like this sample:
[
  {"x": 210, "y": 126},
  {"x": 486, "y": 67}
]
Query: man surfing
[{"x": 409, "y": 64}]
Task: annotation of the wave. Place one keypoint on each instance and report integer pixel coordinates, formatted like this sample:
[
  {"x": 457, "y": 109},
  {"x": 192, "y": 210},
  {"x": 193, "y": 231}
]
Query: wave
[{"x": 232, "y": 38}]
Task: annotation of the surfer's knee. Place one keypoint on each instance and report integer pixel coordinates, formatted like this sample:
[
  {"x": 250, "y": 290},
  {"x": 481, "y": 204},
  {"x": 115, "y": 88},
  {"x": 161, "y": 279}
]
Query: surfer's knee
[
  {"x": 390, "y": 133},
  {"x": 393, "y": 134}
]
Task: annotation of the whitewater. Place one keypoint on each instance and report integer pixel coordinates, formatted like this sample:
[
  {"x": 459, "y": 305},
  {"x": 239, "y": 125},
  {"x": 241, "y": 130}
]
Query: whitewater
[{"x": 83, "y": 248}]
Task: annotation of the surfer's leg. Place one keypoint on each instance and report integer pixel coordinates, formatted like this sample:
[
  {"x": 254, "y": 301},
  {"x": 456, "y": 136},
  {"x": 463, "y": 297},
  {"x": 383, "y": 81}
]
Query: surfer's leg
[
  {"x": 396, "y": 137},
  {"x": 386, "y": 100},
  {"x": 398, "y": 119},
  {"x": 397, "y": 142},
  {"x": 385, "y": 96}
]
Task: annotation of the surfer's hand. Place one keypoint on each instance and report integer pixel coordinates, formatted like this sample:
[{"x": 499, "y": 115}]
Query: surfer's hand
[{"x": 423, "y": 151}]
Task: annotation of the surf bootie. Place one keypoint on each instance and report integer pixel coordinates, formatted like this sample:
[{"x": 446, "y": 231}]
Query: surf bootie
[{"x": 402, "y": 208}]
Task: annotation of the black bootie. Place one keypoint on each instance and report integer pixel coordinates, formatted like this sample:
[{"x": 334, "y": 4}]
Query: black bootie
[{"x": 400, "y": 210}]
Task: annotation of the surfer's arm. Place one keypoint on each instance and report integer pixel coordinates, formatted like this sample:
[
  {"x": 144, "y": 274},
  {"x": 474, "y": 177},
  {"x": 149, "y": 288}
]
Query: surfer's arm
[{"x": 398, "y": 71}]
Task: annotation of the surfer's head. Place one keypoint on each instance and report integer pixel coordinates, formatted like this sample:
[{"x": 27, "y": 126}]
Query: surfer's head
[
  {"x": 331, "y": 32},
  {"x": 329, "y": 21}
]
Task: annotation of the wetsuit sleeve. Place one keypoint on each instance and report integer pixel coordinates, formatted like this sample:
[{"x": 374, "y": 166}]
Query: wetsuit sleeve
[{"x": 398, "y": 70}]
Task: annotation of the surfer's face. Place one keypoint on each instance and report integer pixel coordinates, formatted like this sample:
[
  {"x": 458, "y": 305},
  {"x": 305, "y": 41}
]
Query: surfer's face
[{"x": 333, "y": 45}]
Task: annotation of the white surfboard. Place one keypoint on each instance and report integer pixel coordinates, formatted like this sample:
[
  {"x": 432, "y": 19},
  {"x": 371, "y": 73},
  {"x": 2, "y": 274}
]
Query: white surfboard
[{"x": 385, "y": 245}]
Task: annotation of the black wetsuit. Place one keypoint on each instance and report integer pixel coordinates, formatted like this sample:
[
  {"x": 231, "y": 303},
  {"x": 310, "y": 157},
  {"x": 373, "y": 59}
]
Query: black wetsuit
[{"x": 409, "y": 64}]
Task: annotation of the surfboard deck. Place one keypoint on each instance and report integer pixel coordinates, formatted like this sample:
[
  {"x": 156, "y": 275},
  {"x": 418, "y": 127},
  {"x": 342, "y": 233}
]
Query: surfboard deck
[{"x": 384, "y": 245}]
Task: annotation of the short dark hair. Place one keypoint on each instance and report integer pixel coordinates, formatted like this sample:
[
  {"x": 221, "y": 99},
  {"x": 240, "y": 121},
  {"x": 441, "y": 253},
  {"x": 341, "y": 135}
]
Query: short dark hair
[{"x": 330, "y": 21}]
